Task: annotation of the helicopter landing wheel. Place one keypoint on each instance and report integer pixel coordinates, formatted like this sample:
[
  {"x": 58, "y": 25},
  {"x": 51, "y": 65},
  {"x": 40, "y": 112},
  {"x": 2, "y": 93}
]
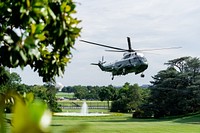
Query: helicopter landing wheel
[
  {"x": 142, "y": 75},
  {"x": 112, "y": 77}
]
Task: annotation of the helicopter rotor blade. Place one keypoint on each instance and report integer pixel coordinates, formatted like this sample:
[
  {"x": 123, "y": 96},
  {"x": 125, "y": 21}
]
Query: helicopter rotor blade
[
  {"x": 158, "y": 49},
  {"x": 117, "y": 50},
  {"x": 102, "y": 45}
]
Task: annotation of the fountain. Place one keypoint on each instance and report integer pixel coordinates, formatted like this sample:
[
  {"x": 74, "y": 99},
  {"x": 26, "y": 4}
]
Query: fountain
[
  {"x": 83, "y": 112},
  {"x": 84, "y": 108}
]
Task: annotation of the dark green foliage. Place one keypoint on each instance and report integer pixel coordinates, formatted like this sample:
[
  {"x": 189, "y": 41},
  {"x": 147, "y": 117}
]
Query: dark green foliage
[
  {"x": 128, "y": 99},
  {"x": 92, "y": 92},
  {"x": 80, "y": 92},
  {"x": 4, "y": 76},
  {"x": 176, "y": 90},
  {"x": 68, "y": 89},
  {"x": 107, "y": 93}
]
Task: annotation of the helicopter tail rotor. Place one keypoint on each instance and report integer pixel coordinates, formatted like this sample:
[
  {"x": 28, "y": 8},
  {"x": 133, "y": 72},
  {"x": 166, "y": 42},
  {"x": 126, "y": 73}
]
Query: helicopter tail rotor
[{"x": 100, "y": 62}]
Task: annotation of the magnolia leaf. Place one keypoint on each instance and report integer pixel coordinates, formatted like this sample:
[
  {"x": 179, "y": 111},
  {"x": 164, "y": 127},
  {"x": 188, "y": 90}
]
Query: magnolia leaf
[
  {"x": 33, "y": 28},
  {"x": 51, "y": 13},
  {"x": 23, "y": 56},
  {"x": 8, "y": 39},
  {"x": 41, "y": 37},
  {"x": 20, "y": 117}
]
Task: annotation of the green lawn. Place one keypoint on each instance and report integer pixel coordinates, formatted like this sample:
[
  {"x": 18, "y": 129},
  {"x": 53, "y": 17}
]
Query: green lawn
[
  {"x": 63, "y": 94},
  {"x": 123, "y": 123}
]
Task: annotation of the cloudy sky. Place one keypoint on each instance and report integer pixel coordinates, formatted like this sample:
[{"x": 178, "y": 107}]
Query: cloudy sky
[{"x": 149, "y": 23}]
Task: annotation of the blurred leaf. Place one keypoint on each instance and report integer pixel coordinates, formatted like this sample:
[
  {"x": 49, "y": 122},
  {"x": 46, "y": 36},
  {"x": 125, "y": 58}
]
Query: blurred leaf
[
  {"x": 20, "y": 116},
  {"x": 29, "y": 98},
  {"x": 41, "y": 37},
  {"x": 33, "y": 28},
  {"x": 2, "y": 116},
  {"x": 28, "y": 117}
]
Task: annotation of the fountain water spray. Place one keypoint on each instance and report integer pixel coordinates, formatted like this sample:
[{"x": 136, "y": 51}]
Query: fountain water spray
[{"x": 84, "y": 108}]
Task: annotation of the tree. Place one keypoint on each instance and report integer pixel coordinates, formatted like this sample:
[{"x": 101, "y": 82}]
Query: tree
[
  {"x": 176, "y": 91},
  {"x": 92, "y": 93},
  {"x": 128, "y": 98},
  {"x": 38, "y": 33},
  {"x": 80, "y": 92},
  {"x": 9, "y": 81},
  {"x": 107, "y": 93}
]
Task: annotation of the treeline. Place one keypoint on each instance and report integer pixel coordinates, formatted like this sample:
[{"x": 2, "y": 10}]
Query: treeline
[
  {"x": 124, "y": 99},
  {"x": 174, "y": 91}
]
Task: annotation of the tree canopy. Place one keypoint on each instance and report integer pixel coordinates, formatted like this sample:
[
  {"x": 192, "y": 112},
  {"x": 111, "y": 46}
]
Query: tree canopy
[
  {"x": 38, "y": 33},
  {"x": 176, "y": 90}
]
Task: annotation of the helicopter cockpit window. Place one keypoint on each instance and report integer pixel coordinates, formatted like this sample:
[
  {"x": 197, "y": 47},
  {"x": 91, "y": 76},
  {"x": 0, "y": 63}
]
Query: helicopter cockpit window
[{"x": 127, "y": 56}]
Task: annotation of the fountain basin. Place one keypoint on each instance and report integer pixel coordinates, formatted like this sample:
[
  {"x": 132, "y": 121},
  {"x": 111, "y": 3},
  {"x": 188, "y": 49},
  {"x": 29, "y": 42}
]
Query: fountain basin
[
  {"x": 79, "y": 114},
  {"x": 84, "y": 112}
]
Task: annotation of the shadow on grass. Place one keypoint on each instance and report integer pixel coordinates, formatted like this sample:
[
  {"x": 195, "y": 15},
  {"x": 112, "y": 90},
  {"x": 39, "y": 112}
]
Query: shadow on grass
[
  {"x": 127, "y": 119},
  {"x": 56, "y": 125},
  {"x": 193, "y": 119}
]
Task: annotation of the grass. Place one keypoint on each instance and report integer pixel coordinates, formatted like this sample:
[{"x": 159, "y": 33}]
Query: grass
[
  {"x": 63, "y": 94},
  {"x": 123, "y": 123}
]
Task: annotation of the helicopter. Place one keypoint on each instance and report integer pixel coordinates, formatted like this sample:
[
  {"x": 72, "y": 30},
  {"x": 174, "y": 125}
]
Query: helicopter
[{"x": 131, "y": 62}]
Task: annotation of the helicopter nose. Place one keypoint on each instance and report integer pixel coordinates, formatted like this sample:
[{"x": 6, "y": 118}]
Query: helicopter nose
[{"x": 144, "y": 66}]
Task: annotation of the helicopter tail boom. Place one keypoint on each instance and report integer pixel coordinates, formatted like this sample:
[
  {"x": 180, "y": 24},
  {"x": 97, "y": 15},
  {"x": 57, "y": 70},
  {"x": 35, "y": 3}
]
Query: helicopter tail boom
[{"x": 96, "y": 64}]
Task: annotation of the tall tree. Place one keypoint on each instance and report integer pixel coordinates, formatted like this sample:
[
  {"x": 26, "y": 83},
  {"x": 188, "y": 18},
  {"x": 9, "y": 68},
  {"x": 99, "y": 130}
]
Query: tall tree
[
  {"x": 176, "y": 91},
  {"x": 38, "y": 33}
]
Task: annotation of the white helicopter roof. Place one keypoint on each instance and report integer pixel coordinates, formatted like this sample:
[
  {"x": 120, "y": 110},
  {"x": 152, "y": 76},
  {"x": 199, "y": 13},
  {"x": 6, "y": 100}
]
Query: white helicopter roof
[{"x": 132, "y": 54}]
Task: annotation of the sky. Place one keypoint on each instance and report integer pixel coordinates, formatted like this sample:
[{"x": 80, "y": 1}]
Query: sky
[{"x": 149, "y": 24}]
